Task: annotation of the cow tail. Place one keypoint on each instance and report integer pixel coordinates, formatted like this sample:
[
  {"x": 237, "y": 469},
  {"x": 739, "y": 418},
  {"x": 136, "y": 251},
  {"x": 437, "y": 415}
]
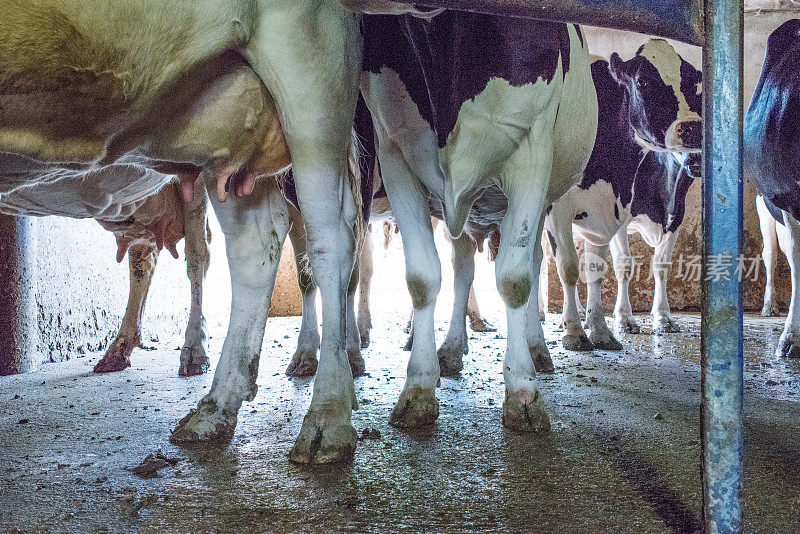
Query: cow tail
[{"x": 354, "y": 176}]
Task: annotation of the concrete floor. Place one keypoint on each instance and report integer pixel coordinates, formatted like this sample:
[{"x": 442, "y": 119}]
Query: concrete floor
[{"x": 609, "y": 464}]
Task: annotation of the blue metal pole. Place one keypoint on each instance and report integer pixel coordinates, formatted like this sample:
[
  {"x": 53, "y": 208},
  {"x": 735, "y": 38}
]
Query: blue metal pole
[{"x": 722, "y": 358}]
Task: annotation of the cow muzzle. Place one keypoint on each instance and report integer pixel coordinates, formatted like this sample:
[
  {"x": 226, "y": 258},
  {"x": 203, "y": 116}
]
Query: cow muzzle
[{"x": 685, "y": 135}]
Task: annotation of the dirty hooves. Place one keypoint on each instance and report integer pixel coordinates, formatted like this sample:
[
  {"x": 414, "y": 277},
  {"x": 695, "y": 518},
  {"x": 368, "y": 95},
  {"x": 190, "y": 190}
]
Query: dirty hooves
[
  {"x": 666, "y": 326},
  {"x": 542, "y": 361},
  {"x": 605, "y": 341},
  {"x": 417, "y": 407},
  {"x": 523, "y": 412},
  {"x": 357, "y": 365},
  {"x": 627, "y": 326},
  {"x": 577, "y": 342},
  {"x": 788, "y": 348},
  {"x": 205, "y": 424},
  {"x": 303, "y": 364},
  {"x": 112, "y": 364},
  {"x": 450, "y": 360},
  {"x": 324, "y": 438},
  {"x": 194, "y": 361}
]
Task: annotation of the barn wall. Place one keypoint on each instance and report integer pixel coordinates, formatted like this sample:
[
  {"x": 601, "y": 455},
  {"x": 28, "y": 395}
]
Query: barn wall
[{"x": 684, "y": 294}]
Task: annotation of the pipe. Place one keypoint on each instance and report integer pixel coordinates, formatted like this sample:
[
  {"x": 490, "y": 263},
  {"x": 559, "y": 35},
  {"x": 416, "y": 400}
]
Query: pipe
[
  {"x": 721, "y": 353},
  {"x": 676, "y": 19},
  {"x": 18, "y": 324}
]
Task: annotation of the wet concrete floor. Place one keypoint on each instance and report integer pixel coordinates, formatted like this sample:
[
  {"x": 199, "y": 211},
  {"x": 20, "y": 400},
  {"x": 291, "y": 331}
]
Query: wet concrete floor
[{"x": 623, "y": 454}]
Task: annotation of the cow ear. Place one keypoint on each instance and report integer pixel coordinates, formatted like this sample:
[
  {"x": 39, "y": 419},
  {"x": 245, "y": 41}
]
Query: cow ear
[{"x": 617, "y": 68}]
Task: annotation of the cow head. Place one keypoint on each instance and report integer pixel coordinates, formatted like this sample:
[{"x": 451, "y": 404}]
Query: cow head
[{"x": 665, "y": 97}]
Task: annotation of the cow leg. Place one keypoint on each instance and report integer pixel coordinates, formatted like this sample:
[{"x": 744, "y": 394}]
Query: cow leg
[
  {"x": 353, "y": 340},
  {"x": 517, "y": 272},
  {"x": 194, "y": 360},
  {"x": 476, "y": 321},
  {"x": 364, "y": 282},
  {"x": 559, "y": 232},
  {"x": 789, "y": 344},
  {"x": 662, "y": 265},
  {"x": 417, "y": 405},
  {"x": 141, "y": 264},
  {"x": 254, "y": 230},
  {"x": 304, "y": 360},
  {"x": 307, "y": 53},
  {"x": 599, "y": 333},
  {"x": 455, "y": 344},
  {"x": 624, "y": 265},
  {"x": 542, "y": 361},
  {"x": 769, "y": 254}
]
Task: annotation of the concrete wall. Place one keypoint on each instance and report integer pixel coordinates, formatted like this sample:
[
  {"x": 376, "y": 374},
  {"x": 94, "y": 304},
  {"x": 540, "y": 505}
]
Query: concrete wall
[{"x": 685, "y": 294}]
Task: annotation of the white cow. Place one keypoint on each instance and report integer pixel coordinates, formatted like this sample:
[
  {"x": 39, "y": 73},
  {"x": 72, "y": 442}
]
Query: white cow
[
  {"x": 107, "y": 93},
  {"x": 462, "y": 102}
]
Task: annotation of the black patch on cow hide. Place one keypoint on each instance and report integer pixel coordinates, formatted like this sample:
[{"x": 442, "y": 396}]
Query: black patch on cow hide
[
  {"x": 772, "y": 124},
  {"x": 582, "y": 215},
  {"x": 552, "y": 241},
  {"x": 659, "y": 190},
  {"x": 449, "y": 59}
]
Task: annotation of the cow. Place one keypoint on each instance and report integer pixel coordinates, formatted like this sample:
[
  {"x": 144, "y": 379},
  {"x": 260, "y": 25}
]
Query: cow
[
  {"x": 772, "y": 158},
  {"x": 140, "y": 88},
  {"x": 644, "y": 160},
  {"x": 463, "y": 101},
  {"x": 160, "y": 220}
]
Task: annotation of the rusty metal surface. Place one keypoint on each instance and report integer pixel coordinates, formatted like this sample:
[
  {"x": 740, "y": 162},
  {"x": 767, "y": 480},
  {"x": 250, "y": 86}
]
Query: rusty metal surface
[
  {"x": 676, "y": 19},
  {"x": 721, "y": 327}
]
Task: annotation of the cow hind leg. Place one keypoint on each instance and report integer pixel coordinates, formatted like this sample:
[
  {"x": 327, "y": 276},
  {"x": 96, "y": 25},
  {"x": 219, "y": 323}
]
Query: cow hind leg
[
  {"x": 141, "y": 263},
  {"x": 542, "y": 361},
  {"x": 516, "y": 270},
  {"x": 558, "y": 226},
  {"x": 254, "y": 231},
  {"x": 417, "y": 405},
  {"x": 769, "y": 255},
  {"x": 194, "y": 358},
  {"x": 599, "y": 333},
  {"x": 624, "y": 266},
  {"x": 455, "y": 344},
  {"x": 304, "y": 360},
  {"x": 477, "y": 322},
  {"x": 789, "y": 343},
  {"x": 663, "y": 323},
  {"x": 365, "y": 269},
  {"x": 353, "y": 341}
]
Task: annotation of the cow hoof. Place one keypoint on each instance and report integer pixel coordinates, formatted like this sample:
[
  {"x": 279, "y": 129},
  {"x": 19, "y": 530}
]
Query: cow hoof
[
  {"x": 409, "y": 343},
  {"x": 325, "y": 438},
  {"x": 666, "y": 326},
  {"x": 205, "y": 424},
  {"x": 604, "y": 340},
  {"x": 542, "y": 361},
  {"x": 787, "y": 348},
  {"x": 357, "y": 365},
  {"x": 628, "y": 325},
  {"x": 523, "y": 412},
  {"x": 364, "y": 339},
  {"x": 451, "y": 358},
  {"x": 769, "y": 310},
  {"x": 194, "y": 360},
  {"x": 417, "y": 407},
  {"x": 117, "y": 357},
  {"x": 577, "y": 342},
  {"x": 481, "y": 325},
  {"x": 303, "y": 364}
]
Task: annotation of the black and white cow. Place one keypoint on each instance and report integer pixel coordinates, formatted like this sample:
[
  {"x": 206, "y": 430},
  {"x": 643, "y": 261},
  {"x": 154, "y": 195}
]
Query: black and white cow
[
  {"x": 772, "y": 155},
  {"x": 461, "y": 102},
  {"x": 648, "y": 139},
  {"x": 88, "y": 88}
]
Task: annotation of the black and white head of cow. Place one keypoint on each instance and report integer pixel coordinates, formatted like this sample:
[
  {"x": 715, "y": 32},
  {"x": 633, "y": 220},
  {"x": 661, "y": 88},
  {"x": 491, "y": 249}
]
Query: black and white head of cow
[{"x": 665, "y": 96}]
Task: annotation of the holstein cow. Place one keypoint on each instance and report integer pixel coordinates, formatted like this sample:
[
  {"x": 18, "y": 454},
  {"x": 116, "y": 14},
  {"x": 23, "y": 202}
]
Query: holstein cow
[
  {"x": 772, "y": 155},
  {"x": 462, "y": 102},
  {"x": 142, "y": 230},
  {"x": 87, "y": 88},
  {"x": 648, "y": 137}
]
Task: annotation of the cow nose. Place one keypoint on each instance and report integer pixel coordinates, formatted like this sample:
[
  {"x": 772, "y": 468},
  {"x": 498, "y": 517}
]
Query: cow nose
[{"x": 690, "y": 133}]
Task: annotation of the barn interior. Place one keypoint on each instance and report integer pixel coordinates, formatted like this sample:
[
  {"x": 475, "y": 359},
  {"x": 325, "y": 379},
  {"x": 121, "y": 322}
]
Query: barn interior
[{"x": 623, "y": 454}]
